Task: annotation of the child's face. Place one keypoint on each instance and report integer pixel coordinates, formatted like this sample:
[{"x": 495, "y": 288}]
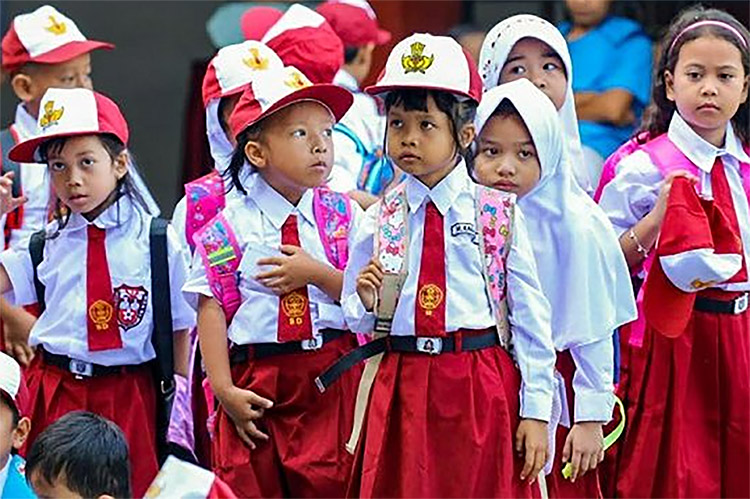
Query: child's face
[
  {"x": 31, "y": 85},
  {"x": 709, "y": 83},
  {"x": 12, "y": 436},
  {"x": 295, "y": 151},
  {"x": 539, "y": 63},
  {"x": 59, "y": 489},
  {"x": 83, "y": 173},
  {"x": 588, "y": 13},
  {"x": 421, "y": 143},
  {"x": 506, "y": 158}
]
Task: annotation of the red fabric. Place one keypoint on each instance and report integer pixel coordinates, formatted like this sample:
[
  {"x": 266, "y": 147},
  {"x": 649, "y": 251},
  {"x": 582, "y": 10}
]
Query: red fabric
[
  {"x": 129, "y": 400},
  {"x": 441, "y": 426},
  {"x": 316, "y": 51},
  {"x": 429, "y": 313},
  {"x": 305, "y": 456},
  {"x": 557, "y": 486},
  {"x": 727, "y": 241},
  {"x": 295, "y": 323},
  {"x": 256, "y": 21},
  {"x": 688, "y": 423},
  {"x": 353, "y": 24},
  {"x": 103, "y": 330},
  {"x": 220, "y": 490}
]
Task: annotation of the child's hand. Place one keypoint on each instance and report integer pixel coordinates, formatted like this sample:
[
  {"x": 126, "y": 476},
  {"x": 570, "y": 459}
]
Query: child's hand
[
  {"x": 245, "y": 407},
  {"x": 369, "y": 281},
  {"x": 294, "y": 270},
  {"x": 532, "y": 437},
  {"x": 660, "y": 208},
  {"x": 584, "y": 448},
  {"x": 7, "y": 202}
]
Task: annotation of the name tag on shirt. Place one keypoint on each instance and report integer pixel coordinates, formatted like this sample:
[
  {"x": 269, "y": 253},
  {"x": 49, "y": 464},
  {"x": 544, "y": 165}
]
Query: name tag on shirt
[{"x": 460, "y": 228}]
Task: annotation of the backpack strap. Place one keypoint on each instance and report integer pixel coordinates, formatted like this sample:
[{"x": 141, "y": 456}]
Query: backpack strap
[
  {"x": 205, "y": 198},
  {"x": 162, "y": 336},
  {"x": 495, "y": 215},
  {"x": 333, "y": 216},
  {"x": 667, "y": 157},
  {"x": 36, "y": 250},
  {"x": 609, "y": 168},
  {"x": 221, "y": 255},
  {"x": 7, "y": 141}
]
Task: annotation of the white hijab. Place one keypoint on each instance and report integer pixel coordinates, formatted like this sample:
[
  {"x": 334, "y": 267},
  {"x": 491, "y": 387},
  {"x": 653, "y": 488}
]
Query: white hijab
[
  {"x": 581, "y": 266},
  {"x": 496, "y": 47},
  {"x": 218, "y": 143}
]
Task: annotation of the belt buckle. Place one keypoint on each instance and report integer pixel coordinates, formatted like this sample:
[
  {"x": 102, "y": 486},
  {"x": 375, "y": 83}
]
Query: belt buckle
[
  {"x": 741, "y": 304},
  {"x": 432, "y": 346},
  {"x": 314, "y": 343},
  {"x": 81, "y": 368}
]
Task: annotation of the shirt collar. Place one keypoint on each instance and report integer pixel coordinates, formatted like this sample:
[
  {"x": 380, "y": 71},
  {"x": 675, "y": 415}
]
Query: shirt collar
[
  {"x": 25, "y": 124},
  {"x": 276, "y": 207},
  {"x": 344, "y": 79},
  {"x": 444, "y": 194},
  {"x": 115, "y": 215},
  {"x": 701, "y": 153}
]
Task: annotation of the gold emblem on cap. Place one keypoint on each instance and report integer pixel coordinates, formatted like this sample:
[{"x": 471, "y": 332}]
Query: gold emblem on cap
[
  {"x": 255, "y": 61},
  {"x": 51, "y": 115},
  {"x": 56, "y": 28},
  {"x": 416, "y": 61},
  {"x": 294, "y": 306},
  {"x": 698, "y": 284},
  {"x": 101, "y": 313},
  {"x": 296, "y": 81},
  {"x": 430, "y": 298}
]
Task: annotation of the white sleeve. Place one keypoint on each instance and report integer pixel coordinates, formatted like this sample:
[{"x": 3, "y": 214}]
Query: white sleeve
[
  {"x": 360, "y": 254},
  {"x": 347, "y": 163},
  {"x": 529, "y": 315},
  {"x": 197, "y": 282},
  {"x": 17, "y": 264},
  {"x": 183, "y": 316},
  {"x": 593, "y": 380},
  {"x": 632, "y": 194},
  {"x": 179, "y": 218}
]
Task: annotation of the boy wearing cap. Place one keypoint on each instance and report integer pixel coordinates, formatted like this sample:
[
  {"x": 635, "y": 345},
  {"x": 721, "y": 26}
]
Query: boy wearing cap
[{"x": 14, "y": 428}]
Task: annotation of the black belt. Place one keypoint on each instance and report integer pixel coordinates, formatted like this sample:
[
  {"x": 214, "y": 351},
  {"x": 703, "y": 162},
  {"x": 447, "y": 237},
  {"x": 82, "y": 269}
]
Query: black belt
[
  {"x": 243, "y": 353},
  {"x": 732, "y": 307},
  {"x": 82, "y": 368},
  {"x": 405, "y": 344}
]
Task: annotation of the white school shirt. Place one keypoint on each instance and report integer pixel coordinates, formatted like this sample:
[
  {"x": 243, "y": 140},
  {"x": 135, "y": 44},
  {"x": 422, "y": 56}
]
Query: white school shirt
[
  {"x": 62, "y": 328},
  {"x": 633, "y": 192},
  {"x": 467, "y": 301},
  {"x": 257, "y": 220},
  {"x": 367, "y": 123}
]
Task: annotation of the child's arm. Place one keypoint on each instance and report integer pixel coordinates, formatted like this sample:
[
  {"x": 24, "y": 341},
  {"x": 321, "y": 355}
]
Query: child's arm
[
  {"x": 7, "y": 202},
  {"x": 243, "y": 406},
  {"x": 297, "y": 269},
  {"x": 181, "y": 352}
]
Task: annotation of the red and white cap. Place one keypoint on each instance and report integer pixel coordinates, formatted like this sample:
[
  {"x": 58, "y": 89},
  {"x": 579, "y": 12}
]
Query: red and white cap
[
  {"x": 354, "y": 21},
  {"x": 72, "y": 112},
  {"x": 697, "y": 249},
  {"x": 234, "y": 67},
  {"x": 12, "y": 385},
  {"x": 277, "y": 89},
  {"x": 430, "y": 62},
  {"x": 182, "y": 479},
  {"x": 303, "y": 39},
  {"x": 44, "y": 36},
  {"x": 256, "y": 21}
]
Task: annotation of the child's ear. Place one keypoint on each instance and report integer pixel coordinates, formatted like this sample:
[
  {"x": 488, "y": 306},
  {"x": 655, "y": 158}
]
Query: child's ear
[
  {"x": 22, "y": 87},
  {"x": 467, "y": 135},
  {"x": 745, "y": 88},
  {"x": 105, "y": 496},
  {"x": 21, "y": 433},
  {"x": 256, "y": 154},
  {"x": 669, "y": 85},
  {"x": 121, "y": 164}
]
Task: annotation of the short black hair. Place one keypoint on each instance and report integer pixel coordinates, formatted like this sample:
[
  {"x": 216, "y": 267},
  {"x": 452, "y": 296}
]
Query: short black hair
[
  {"x": 350, "y": 53},
  {"x": 87, "y": 450}
]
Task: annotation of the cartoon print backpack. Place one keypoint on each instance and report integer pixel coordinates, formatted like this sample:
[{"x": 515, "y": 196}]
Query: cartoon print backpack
[
  {"x": 221, "y": 253},
  {"x": 205, "y": 198},
  {"x": 376, "y": 172}
]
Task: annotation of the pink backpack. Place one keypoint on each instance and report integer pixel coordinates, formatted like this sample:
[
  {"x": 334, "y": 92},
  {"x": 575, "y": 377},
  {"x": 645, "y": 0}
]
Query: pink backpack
[
  {"x": 205, "y": 199},
  {"x": 221, "y": 253},
  {"x": 609, "y": 168}
]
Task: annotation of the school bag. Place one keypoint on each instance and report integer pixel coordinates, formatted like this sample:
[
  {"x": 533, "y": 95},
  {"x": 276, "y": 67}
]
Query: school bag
[
  {"x": 205, "y": 198},
  {"x": 376, "y": 171}
]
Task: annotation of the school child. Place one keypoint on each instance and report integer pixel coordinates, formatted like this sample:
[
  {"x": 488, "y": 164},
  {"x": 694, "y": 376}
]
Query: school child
[
  {"x": 80, "y": 455},
  {"x": 445, "y": 397},
  {"x": 527, "y": 46},
  {"x": 583, "y": 274},
  {"x": 108, "y": 316},
  {"x": 688, "y": 421},
  {"x": 267, "y": 276},
  {"x": 359, "y": 136},
  {"x": 229, "y": 72},
  {"x": 14, "y": 428}
]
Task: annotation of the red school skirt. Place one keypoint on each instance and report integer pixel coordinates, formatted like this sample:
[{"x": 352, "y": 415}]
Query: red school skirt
[
  {"x": 441, "y": 426},
  {"x": 688, "y": 428},
  {"x": 128, "y": 399},
  {"x": 305, "y": 455}
]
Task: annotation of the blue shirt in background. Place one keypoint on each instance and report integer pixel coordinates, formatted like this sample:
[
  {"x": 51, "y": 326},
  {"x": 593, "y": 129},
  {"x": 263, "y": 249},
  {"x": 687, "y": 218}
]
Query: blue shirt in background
[
  {"x": 615, "y": 54},
  {"x": 15, "y": 486}
]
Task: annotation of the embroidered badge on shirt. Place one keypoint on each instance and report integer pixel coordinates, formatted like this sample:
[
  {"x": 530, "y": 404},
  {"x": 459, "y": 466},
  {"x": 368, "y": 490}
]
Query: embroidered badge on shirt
[
  {"x": 416, "y": 61},
  {"x": 255, "y": 61},
  {"x": 101, "y": 313},
  {"x": 131, "y": 303},
  {"x": 56, "y": 28},
  {"x": 294, "y": 305},
  {"x": 460, "y": 228},
  {"x": 51, "y": 115},
  {"x": 430, "y": 298}
]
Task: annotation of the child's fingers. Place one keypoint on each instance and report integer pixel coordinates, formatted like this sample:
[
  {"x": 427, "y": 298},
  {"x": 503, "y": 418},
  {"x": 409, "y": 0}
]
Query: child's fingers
[
  {"x": 371, "y": 281},
  {"x": 255, "y": 399},
  {"x": 519, "y": 440},
  {"x": 528, "y": 464},
  {"x": 585, "y": 463},
  {"x": 254, "y": 432},
  {"x": 244, "y": 436},
  {"x": 272, "y": 260},
  {"x": 576, "y": 462},
  {"x": 539, "y": 459},
  {"x": 567, "y": 449},
  {"x": 289, "y": 249},
  {"x": 601, "y": 455},
  {"x": 375, "y": 269}
]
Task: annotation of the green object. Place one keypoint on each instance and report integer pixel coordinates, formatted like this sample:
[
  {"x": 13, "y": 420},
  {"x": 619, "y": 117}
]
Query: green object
[{"x": 608, "y": 440}]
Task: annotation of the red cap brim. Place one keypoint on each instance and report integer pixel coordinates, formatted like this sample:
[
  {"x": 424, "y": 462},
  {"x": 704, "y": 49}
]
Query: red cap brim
[
  {"x": 26, "y": 152},
  {"x": 383, "y": 37},
  {"x": 70, "y": 51}
]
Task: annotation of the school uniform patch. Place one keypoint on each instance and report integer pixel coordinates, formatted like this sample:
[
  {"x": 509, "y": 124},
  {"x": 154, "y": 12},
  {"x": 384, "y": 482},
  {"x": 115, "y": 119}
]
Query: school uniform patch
[
  {"x": 131, "y": 303},
  {"x": 459, "y": 228}
]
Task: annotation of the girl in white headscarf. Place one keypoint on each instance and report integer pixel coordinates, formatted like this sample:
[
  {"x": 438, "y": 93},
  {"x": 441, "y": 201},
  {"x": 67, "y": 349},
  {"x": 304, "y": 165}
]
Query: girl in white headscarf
[
  {"x": 527, "y": 46},
  {"x": 582, "y": 271}
]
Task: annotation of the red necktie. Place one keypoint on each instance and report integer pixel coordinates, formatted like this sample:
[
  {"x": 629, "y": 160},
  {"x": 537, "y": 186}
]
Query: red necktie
[
  {"x": 295, "y": 323},
  {"x": 723, "y": 200},
  {"x": 103, "y": 330},
  {"x": 429, "y": 316}
]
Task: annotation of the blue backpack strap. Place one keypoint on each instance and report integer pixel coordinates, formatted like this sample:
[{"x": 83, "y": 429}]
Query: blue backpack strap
[
  {"x": 6, "y": 144},
  {"x": 348, "y": 132}
]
